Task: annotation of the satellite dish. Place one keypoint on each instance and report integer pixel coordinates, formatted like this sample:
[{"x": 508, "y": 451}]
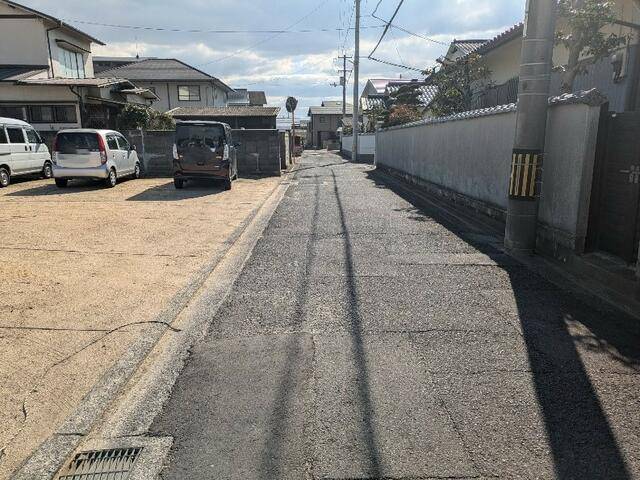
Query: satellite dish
[{"x": 292, "y": 103}]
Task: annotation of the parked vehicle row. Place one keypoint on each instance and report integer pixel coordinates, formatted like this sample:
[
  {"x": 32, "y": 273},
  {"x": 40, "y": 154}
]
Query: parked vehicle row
[{"x": 202, "y": 150}]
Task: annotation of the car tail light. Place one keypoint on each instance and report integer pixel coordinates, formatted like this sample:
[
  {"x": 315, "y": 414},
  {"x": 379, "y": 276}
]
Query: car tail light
[
  {"x": 103, "y": 149},
  {"x": 54, "y": 154}
]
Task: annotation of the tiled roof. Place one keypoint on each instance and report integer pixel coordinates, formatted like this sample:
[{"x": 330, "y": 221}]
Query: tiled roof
[
  {"x": 468, "y": 46},
  {"x": 370, "y": 103},
  {"x": 81, "y": 82},
  {"x": 160, "y": 69},
  {"x": 331, "y": 110},
  {"x": 427, "y": 92},
  {"x": 236, "y": 111},
  {"x": 513, "y": 32},
  {"x": 9, "y": 73}
]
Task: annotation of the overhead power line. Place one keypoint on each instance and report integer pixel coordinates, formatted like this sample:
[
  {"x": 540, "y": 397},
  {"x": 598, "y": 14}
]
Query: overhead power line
[
  {"x": 429, "y": 39},
  {"x": 195, "y": 30},
  {"x": 406, "y": 67},
  {"x": 386, "y": 29}
]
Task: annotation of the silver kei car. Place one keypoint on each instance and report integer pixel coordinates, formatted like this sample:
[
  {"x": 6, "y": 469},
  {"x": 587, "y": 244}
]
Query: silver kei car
[{"x": 89, "y": 153}]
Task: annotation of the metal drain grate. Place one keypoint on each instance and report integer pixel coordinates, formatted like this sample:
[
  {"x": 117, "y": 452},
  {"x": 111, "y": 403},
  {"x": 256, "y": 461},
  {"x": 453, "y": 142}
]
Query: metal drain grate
[{"x": 115, "y": 464}]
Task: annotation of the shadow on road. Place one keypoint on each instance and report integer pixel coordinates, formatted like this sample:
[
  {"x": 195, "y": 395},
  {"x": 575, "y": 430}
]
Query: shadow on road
[
  {"x": 561, "y": 331},
  {"x": 74, "y": 186},
  {"x": 270, "y": 464},
  {"x": 168, "y": 193},
  {"x": 359, "y": 356}
]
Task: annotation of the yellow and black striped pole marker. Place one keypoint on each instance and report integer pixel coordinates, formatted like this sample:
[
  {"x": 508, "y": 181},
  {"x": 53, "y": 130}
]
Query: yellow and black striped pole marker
[{"x": 525, "y": 168}]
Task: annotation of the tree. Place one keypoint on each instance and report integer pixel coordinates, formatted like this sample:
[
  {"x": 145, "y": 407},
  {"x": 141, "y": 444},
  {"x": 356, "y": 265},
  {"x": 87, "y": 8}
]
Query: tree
[
  {"x": 402, "y": 106},
  {"x": 456, "y": 82},
  {"x": 133, "y": 117},
  {"x": 402, "y": 114},
  {"x": 160, "y": 121},
  {"x": 582, "y": 22}
]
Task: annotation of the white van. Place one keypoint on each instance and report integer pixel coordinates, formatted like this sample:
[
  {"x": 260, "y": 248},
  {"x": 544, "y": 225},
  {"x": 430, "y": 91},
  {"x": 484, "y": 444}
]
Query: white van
[
  {"x": 22, "y": 151},
  {"x": 89, "y": 153}
]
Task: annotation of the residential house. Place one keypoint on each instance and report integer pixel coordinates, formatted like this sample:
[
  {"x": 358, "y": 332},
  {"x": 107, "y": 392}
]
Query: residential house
[
  {"x": 324, "y": 123},
  {"x": 247, "y": 117},
  {"x": 174, "y": 82},
  {"x": 244, "y": 97},
  {"x": 47, "y": 78},
  {"x": 616, "y": 77}
]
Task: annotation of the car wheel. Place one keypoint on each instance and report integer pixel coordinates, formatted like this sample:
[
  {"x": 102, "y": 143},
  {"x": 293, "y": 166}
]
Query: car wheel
[
  {"x": 136, "y": 171},
  {"x": 178, "y": 183},
  {"x": 112, "y": 179},
  {"x": 47, "y": 170},
  {"x": 62, "y": 182},
  {"x": 227, "y": 183},
  {"x": 5, "y": 178}
]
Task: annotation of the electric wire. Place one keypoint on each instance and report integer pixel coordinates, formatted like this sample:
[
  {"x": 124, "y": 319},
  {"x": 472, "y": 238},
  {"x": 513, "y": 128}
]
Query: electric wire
[{"x": 386, "y": 29}]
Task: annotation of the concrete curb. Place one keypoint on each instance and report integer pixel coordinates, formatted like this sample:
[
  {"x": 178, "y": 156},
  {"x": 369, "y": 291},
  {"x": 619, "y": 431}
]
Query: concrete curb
[{"x": 50, "y": 456}]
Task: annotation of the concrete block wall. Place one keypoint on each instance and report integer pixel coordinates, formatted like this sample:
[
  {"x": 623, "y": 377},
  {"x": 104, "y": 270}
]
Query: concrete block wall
[
  {"x": 366, "y": 146},
  {"x": 467, "y": 158},
  {"x": 155, "y": 148},
  {"x": 259, "y": 152}
]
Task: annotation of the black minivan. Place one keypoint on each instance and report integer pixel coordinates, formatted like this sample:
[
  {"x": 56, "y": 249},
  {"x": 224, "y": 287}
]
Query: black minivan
[{"x": 204, "y": 150}]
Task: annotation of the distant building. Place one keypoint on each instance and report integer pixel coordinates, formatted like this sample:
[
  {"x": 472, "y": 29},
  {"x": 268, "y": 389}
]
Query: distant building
[
  {"x": 175, "y": 83},
  {"x": 249, "y": 117},
  {"x": 324, "y": 123},
  {"x": 244, "y": 97}
]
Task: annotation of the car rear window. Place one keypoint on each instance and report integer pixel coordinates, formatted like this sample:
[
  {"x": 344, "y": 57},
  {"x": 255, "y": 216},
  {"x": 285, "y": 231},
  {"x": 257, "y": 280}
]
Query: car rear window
[
  {"x": 211, "y": 136},
  {"x": 76, "y": 142}
]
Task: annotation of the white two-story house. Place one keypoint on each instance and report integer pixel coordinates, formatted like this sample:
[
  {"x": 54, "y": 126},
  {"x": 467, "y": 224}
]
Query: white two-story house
[{"x": 47, "y": 78}]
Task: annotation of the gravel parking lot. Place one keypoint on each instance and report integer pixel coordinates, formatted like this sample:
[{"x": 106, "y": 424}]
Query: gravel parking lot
[{"x": 77, "y": 264}]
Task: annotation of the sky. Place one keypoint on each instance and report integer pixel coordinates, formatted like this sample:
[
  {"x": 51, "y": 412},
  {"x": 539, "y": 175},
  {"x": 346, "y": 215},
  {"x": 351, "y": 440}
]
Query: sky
[{"x": 301, "y": 62}]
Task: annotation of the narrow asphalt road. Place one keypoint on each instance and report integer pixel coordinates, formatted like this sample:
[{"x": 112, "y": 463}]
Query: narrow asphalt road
[{"x": 373, "y": 334}]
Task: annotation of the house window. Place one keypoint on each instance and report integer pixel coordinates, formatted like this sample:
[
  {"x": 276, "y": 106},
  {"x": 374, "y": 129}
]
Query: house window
[
  {"x": 189, "y": 93},
  {"x": 71, "y": 64},
  {"x": 323, "y": 119},
  {"x": 41, "y": 114},
  {"x": 65, "y": 114},
  {"x": 13, "y": 112},
  {"x": 52, "y": 114}
]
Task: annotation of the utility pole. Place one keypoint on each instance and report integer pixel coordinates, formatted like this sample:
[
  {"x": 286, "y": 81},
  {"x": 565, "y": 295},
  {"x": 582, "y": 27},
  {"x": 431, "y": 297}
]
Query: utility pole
[
  {"x": 356, "y": 80},
  {"x": 343, "y": 84},
  {"x": 344, "y": 89},
  {"x": 525, "y": 183}
]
